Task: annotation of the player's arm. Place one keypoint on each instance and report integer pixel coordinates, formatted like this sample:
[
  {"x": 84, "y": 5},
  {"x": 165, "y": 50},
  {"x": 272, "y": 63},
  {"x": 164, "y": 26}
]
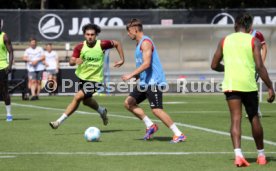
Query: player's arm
[
  {"x": 25, "y": 57},
  {"x": 216, "y": 62},
  {"x": 146, "y": 48},
  {"x": 75, "y": 59},
  {"x": 120, "y": 51},
  {"x": 262, "y": 70},
  {"x": 9, "y": 47},
  {"x": 42, "y": 59},
  {"x": 108, "y": 44},
  {"x": 261, "y": 38},
  {"x": 264, "y": 52}
]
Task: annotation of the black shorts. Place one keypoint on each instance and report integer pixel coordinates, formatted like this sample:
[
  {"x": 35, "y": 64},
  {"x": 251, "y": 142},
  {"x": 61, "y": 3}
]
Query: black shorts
[
  {"x": 152, "y": 93},
  {"x": 249, "y": 100},
  {"x": 89, "y": 87},
  {"x": 3, "y": 84}
]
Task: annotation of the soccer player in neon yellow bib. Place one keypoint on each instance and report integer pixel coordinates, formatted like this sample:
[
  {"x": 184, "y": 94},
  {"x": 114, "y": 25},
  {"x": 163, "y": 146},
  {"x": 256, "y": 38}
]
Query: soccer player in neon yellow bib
[
  {"x": 5, "y": 68},
  {"x": 241, "y": 54},
  {"x": 89, "y": 56}
]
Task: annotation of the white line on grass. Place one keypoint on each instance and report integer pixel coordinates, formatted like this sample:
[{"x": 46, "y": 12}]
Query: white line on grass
[
  {"x": 130, "y": 117},
  {"x": 7, "y": 157},
  {"x": 122, "y": 153}
]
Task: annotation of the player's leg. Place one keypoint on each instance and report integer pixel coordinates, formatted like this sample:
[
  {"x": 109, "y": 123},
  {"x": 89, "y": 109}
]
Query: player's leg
[
  {"x": 52, "y": 81},
  {"x": 235, "y": 108},
  {"x": 131, "y": 104},
  {"x": 29, "y": 84},
  {"x": 71, "y": 108},
  {"x": 33, "y": 86},
  {"x": 55, "y": 86},
  {"x": 5, "y": 94},
  {"x": 251, "y": 103},
  {"x": 38, "y": 85},
  {"x": 89, "y": 88},
  {"x": 155, "y": 97},
  {"x": 257, "y": 76},
  {"x": 92, "y": 103},
  {"x": 7, "y": 100}
]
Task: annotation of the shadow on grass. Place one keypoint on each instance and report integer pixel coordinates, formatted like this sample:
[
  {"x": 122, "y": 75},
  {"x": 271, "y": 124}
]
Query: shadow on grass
[
  {"x": 118, "y": 130},
  {"x": 254, "y": 159},
  {"x": 266, "y": 116},
  {"x": 18, "y": 119},
  {"x": 72, "y": 133},
  {"x": 157, "y": 139},
  {"x": 162, "y": 138},
  {"x": 271, "y": 159},
  {"x": 102, "y": 131}
]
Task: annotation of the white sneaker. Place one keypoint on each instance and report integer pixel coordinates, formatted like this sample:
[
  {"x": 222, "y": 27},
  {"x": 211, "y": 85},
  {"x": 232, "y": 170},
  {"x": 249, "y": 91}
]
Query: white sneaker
[
  {"x": 54, "y": 124},
  {"x": 104, "y": 116}
]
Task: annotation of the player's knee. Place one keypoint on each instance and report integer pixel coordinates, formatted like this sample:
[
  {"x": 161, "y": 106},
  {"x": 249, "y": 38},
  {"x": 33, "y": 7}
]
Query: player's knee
[
  {"x": 78, "y": 97},
  {"x": 129, "y": 104},
  {"x": 156, "y": 111}
]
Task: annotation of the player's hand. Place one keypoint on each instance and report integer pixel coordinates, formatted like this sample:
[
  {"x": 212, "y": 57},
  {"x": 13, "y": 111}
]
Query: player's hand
[
  {"x": 118, "y": 63},
  {"x": 271, "y": 95},
  {"x": 79, "y": 61},
  {"x": 126, "y": 77}
]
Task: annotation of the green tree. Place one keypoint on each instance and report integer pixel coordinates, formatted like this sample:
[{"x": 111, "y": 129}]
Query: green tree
[{"x": 136, "y": 4}]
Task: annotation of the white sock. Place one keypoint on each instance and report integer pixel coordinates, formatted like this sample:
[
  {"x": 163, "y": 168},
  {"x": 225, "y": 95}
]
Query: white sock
[
  {"x": 261, "y": 152},
  {"x": 259, "y": 111},
  {"x": 175, "y": 130},
  {"x": 62, "y": 118},
  {"x": 8, "y": 109},
  {"x": 100, "y": 109},
  {"x": 147, "y": 121},
  {"x": 238, "y": 152}
]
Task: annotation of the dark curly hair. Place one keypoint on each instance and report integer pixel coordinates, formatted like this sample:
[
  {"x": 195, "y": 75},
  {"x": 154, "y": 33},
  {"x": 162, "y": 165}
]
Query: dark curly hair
[
  {"x": 243, "y": 20},
  {"x": 91, "y": 27}
]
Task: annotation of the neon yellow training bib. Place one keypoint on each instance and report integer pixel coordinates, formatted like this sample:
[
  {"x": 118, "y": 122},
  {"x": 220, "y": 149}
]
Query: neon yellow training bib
[
  {"x": 239, "y": 65},
  {"x": 93, "y": 62},
  {"x": 3, "y": 53}
]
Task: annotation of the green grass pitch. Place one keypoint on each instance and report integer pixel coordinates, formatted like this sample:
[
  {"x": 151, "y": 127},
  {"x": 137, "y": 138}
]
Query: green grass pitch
[{"x": 28, "y": 143}]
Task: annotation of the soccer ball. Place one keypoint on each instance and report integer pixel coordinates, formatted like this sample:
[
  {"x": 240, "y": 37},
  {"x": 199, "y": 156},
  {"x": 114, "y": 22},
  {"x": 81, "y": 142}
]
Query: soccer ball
[{"x": 92, "y": 134}]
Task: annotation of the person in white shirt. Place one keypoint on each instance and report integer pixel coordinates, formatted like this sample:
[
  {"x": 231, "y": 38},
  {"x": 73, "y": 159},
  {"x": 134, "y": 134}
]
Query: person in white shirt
[
  {"x": 34, "y": 57},
  {"x": 52, "y": 66}
]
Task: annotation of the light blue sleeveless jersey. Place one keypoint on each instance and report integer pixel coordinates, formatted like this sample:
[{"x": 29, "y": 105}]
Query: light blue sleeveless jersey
[{"x": 154, "y": 75}]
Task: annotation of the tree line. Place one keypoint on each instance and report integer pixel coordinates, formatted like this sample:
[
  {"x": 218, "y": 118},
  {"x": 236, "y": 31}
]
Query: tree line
[{"x": 138, "y": 4}]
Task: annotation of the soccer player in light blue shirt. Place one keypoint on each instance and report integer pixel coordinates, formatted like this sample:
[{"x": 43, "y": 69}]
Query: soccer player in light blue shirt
[{"x": 152, "y": 82}]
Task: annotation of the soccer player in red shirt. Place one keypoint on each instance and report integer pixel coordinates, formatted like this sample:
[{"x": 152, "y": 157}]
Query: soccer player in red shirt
[
  {"x": 89, "y": 58},
  {"x": 257, "y": 34}
]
